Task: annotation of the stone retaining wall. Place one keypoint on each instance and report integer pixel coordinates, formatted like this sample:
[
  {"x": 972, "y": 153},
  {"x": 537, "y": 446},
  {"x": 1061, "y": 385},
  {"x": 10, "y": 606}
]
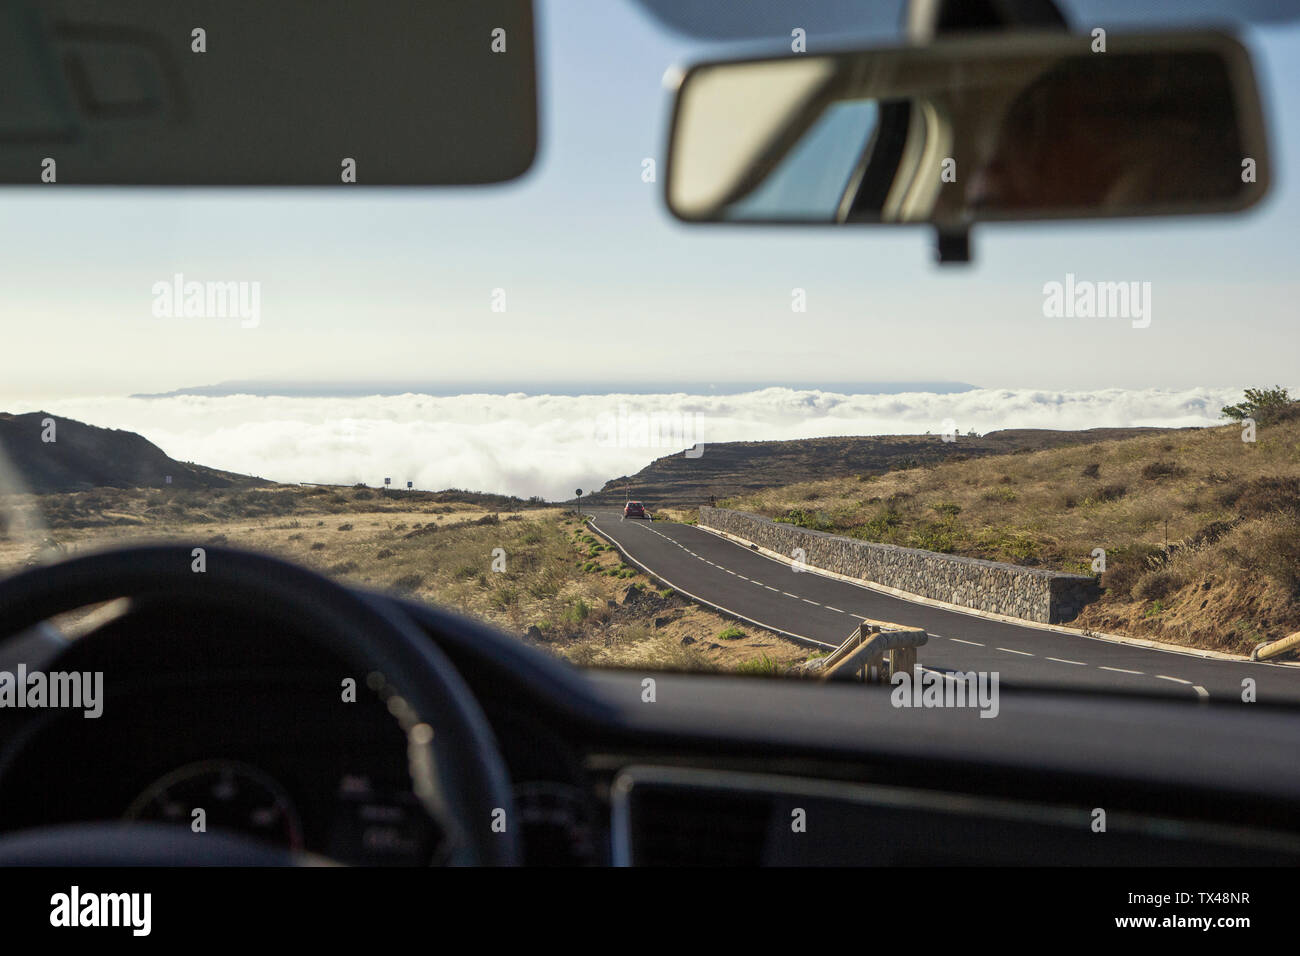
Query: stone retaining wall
[{"x": 1047, "y": 597}]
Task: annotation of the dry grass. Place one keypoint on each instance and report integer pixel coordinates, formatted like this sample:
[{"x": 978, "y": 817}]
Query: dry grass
[
  {"x": 1229, "y": 578},
  {"x": 680, "y": 515},
  {"x": 551, "y": 582}
]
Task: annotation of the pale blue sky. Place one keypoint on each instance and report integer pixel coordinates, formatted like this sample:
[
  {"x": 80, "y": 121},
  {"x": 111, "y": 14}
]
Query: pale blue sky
[{"x": 397, "y": 284}]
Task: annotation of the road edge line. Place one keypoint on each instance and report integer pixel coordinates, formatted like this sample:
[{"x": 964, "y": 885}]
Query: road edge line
[
  {"x": 991, "y": 616},
  {"x": 619, "y": 547}
]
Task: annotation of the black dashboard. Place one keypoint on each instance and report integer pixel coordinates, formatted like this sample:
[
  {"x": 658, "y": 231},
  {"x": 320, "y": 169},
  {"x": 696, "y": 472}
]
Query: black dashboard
[{"x": 214, "y": 712}]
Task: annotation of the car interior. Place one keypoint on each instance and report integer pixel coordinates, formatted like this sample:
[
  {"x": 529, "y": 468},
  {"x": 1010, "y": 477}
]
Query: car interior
[{"x": 363, "y": 727}]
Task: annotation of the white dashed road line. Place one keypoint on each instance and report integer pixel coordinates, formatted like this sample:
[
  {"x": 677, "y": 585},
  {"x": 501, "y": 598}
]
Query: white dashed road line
[
  {"x": 1200, "y": 691},
  {"x": 623, "y": 547}
]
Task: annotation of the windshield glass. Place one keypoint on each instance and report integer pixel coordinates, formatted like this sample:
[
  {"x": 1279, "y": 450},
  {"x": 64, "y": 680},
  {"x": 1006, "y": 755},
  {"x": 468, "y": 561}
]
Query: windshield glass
[{"x": 827, "y": 431}]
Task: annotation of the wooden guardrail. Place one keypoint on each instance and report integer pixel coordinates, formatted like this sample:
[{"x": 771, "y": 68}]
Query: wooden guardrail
[{"x": 863, "y": 654}]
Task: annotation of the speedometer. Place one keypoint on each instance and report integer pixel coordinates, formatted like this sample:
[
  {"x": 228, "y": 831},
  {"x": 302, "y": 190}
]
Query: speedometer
[{"x": 222, "y": 794}]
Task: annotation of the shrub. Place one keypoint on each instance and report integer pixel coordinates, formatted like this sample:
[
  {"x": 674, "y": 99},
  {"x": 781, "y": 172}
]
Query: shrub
[
  {"x": 1276, "y": 552},
  {"x": 761, "y": 667},
  {"x": 1162, "y": 469},
  {"x": 1005, "y": 495},
  {"x": 1125, "y": 566},
  {"x": 804, "y": 519},
  {"x": 1211, "y": 533},
  {"x": 346, "y": 526},
  {"x": 731, "y": 633},
  {"x": 881, "y": 526},
  {"x": 1157, "y": 585},
  {"x": 1092, "y": 471},
  {"x": 1261, "y": 404},
  {"x": 1019, "y": 549},
  {"x": 934, "y": 536},
  {"x": 1263, "y": 496}
]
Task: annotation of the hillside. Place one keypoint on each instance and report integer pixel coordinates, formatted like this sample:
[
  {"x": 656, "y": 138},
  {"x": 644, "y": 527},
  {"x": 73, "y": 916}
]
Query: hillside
[
  {"x": 560, "y": 589},
  {"x": 732, "y": 468},
  {"x": 109, "y": 476},
  {"x": 1228, "y": 578},
  {"x": 84, "y": 456}
]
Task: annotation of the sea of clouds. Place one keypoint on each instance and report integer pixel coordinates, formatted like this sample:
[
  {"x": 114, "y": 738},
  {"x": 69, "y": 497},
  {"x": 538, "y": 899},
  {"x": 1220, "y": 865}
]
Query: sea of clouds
[{"x": 549, "y": 445}]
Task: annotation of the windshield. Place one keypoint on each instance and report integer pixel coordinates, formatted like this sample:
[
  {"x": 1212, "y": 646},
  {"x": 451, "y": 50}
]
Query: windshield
[{"x": 827, "y": 431}]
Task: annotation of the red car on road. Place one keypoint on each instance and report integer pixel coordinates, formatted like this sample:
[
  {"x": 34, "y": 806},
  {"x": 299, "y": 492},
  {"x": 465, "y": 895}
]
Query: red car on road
[{"x": 633, "y": 509}]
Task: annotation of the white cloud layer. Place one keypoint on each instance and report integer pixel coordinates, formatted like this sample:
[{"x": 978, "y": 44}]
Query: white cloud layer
[{"x": 549, "y": 445}]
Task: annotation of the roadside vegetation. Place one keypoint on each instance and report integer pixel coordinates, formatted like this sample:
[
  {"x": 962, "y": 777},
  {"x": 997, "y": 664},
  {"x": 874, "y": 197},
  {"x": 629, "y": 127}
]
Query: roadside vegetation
[
  {"x": 536, "y": 571},
  {"x": 1201, "y": 530},
  {"x": 106, "y": 507}
]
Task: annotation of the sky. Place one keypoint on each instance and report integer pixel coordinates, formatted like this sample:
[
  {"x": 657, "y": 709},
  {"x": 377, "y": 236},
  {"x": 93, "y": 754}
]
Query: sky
[{"x": 601, "y": 284}]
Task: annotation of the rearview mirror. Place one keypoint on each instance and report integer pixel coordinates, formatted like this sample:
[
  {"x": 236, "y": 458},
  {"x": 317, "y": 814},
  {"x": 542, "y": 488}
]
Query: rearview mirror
[{"x": 1023, "y": 126}]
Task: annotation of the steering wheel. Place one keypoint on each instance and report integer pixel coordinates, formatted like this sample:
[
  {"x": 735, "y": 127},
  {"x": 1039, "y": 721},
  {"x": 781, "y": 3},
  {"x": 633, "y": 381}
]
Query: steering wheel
[{"x": 456, "y": 769}]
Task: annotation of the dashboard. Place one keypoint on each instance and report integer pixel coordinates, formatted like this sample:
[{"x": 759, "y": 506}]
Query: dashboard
[
  {"x": 220, "y": 722},
  {"x": 215, "y": 721}
]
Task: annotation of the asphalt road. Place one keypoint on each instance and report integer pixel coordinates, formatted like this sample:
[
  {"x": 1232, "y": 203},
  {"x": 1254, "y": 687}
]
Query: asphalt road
[{"x": 823, "y": 610}]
